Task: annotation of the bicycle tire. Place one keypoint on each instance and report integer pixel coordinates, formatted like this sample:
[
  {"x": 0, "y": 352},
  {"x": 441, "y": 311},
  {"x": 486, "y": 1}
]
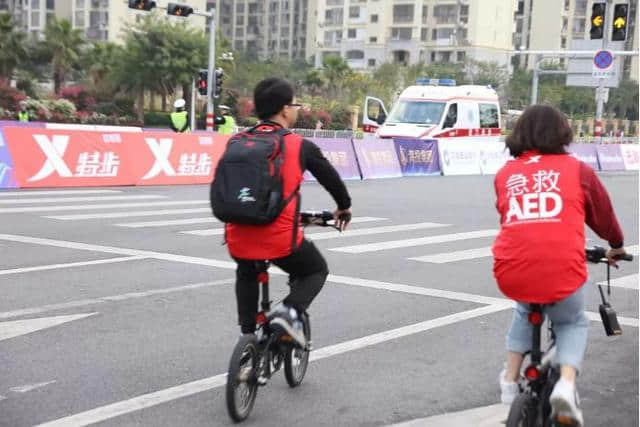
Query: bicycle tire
[
  {"x": 523, "y": 411},
  {"x": 245, "y": 351},
  {"x": 294, "y": 371}
]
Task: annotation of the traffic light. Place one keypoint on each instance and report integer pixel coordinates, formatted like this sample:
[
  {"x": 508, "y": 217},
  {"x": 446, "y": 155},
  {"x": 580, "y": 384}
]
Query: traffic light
[
  {"x": 202, "y": 82},
  {"x": 619, "y": 32},
  {"x": 218, "y": 85},
  {"x": 176, "y": 9},
  {"x": 597, "y": 20},
  {"x": 142, "y": 4}
]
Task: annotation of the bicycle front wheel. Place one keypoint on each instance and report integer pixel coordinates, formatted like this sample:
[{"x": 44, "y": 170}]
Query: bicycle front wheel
[
  {"x": 296, "y": 359},
  {"x": 523, "y": 411},
  {"x": 242, "y": 385}
]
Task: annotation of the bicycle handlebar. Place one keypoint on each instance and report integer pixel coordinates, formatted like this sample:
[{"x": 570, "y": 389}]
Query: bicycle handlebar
[
  {"x": 316, "y": 218},
  {"x": 598, "y": 254}
]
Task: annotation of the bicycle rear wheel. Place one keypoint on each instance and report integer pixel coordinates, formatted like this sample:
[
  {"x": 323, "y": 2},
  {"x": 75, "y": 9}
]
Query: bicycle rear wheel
[
  {"x": 296, "y": 359},
  {"x": 523, "y": 411},
  {"x": 242, "y": 385}
]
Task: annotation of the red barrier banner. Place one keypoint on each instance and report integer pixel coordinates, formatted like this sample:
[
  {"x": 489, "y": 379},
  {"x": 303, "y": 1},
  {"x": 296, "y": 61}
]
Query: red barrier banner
[
  {"x": 163, "y": 158},
  {"x": 55, "y": 158}
]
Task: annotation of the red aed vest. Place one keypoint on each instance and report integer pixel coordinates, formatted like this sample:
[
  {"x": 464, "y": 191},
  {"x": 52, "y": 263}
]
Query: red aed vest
[
  {"x": 539, "y": 252},
  {"x": 281, "y": 237}
]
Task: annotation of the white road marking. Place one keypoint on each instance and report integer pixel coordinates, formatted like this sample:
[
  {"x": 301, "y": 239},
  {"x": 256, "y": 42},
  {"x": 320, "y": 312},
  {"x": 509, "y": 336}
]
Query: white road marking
[
  {"x": 29, "y": 387},
  {"x": 628, "y": 321},
  {"x": 629, "y": 282},
  {"x": 155, "y": 398},
  {"x": 205, "y": 220},
  {"x": 486, "y": 416},
  {"x": 101, "y": 206},
  {"x": 445, "y": 257},
  {"x": 335, "y": 233},
  {"x": 373, "y": 230},
  {"x": 633, "y": 250},
  {"x": 16, "y": 328},
  {"x": 345, "y": 280},
  {"x": 79, "y": 199},
  {"x": 68, "y": 265},
  {"x": 130, "y": 214},
  {"x": 54, "y": 192},
  {"x": 405, "y": 243},
  {"x": 112, "y": 298}
]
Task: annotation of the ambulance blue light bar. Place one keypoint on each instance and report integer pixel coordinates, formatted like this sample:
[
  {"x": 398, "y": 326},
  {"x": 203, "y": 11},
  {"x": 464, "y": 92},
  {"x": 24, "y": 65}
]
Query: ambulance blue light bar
[{"x": 425, "y": 81}]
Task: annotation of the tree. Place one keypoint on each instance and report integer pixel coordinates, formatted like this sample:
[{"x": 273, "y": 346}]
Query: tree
[
  {"x": 623, "y": 100},
  {"x": 98, "y": 62},
  {"x": 12, "y": 46},
  {"x": 335, "y": 70},
  {"x": 65, "y": 45},
  {"x": 487, "y": 73}
]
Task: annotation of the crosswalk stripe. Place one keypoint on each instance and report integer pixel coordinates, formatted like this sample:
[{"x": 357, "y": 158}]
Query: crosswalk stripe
[
  {"x": 633, "y": 250},
  {"x": 629, "y": 282},
  {"x": 406, "y": 243},
  {"x": 373, "y": 230},
  {"x": 28, "y": 193},
  {"x": 220, "y": 231},
  {"x": 100, "y": 206},
  {"x": 445, "y": 257},
  {"x": 187, "y": 221},
  {"x": 80, "y": 199},
  {"x": 129, "y": 214}
]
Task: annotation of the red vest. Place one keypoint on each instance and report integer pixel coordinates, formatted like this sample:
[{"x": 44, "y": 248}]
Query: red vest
[
  {"x": 284, "y": 235},
  {"x": 539, "y": 252}
]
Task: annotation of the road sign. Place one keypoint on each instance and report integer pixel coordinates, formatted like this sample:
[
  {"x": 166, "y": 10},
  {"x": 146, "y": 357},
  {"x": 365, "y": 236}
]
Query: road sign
[
  {"x": 604, "y": 94},
  {"x": 603, "y": 64},
  {"x": 580, "y": 69}
]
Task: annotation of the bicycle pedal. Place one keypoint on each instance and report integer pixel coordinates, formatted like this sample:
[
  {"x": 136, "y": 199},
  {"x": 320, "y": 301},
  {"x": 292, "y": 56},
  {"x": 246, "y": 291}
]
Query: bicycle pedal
[
  {"x": 309, "y": 346},
  {"x": 262, "y": 381}
]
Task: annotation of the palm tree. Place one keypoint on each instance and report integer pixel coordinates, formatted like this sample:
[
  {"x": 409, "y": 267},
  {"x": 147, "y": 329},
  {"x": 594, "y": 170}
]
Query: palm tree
[
  {"x": 98, "y": 62},
  {"x": 12, "y": 46},
  {"x": 65, "y": 45},
  {"x": 335, "y": 70}
]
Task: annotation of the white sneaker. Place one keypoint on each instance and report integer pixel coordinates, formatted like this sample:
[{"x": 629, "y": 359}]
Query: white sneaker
[
  {"x": 508, "y": 389},
  {"x": 564, "y": 402}
]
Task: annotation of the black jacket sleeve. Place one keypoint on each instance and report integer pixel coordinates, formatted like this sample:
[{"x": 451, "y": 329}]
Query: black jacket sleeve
[{"x": 312, "y": 159}]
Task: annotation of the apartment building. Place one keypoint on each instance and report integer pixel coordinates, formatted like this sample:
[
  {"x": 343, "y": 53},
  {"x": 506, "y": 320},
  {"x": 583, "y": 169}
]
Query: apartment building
[
  {"x": 32, "y": 15},
  {"x": 267, "y": 28},
  {"x": 368, "y": 33},
  {"x": 554, "y": 24}
]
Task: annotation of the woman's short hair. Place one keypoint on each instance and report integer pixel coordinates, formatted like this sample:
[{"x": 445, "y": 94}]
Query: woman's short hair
[
  {"x": 270, "y": 96},
  {"x": 542, "y": 128}
]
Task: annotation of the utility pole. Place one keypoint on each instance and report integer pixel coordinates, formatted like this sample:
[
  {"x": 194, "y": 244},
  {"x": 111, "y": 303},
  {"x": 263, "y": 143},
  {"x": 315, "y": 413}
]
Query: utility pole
[
  {"x": 211, "y": 79},
  {"x": 598, "y": 131}
]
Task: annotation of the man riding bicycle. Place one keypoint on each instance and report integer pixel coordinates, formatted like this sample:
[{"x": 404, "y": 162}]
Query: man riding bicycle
[
  {"x": 544, "y": 197},
  {"x": 282, "y": 241}
]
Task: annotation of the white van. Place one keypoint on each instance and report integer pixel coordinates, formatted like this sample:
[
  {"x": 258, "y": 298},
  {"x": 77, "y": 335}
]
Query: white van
[{"x": 429, "y": 111}]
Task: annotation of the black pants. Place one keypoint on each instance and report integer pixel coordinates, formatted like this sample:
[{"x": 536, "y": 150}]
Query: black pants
[{"x": 307, "y": 269}]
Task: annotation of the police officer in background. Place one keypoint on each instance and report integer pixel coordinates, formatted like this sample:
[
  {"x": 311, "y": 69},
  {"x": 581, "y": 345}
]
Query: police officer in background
[
  {"x": 226, "y": 123},
  {"x": 23, "y": 114},
  {"x": 180, "y": 118}
]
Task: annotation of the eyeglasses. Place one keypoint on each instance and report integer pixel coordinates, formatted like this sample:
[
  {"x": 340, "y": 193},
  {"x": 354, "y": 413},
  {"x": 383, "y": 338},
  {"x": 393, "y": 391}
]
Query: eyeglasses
[{"x": 295, "y": 105}]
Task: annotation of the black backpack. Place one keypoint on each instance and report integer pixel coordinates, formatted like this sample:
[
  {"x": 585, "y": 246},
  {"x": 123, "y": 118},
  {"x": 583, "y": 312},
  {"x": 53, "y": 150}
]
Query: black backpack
[{"x": 247, "y": 187}]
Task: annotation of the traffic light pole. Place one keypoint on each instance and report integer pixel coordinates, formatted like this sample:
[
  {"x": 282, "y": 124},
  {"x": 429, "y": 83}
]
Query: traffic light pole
[
  {"x": 598, "y": 131},
  {"x": 210, "y": 75}
]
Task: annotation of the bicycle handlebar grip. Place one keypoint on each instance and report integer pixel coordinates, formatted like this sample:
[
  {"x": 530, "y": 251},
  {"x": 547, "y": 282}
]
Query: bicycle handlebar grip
[
  {"x": 595, "y": 254},
  {"x": 625, "y": 257}
]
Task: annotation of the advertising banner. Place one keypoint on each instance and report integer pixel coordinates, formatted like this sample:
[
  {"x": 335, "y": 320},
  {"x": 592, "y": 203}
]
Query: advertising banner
[
  {"x": 631, "y": 156},
  {"x": 377, "y": 158},
  {"x": 459, "y": 157},
  {"x": 55, "y": 158},
  {"x": 7, "y": 173},
  {"x": 493, "y": 155},
  {"x": 340, "y": 154},
  {"x": 586, "y": 153},
  {"x": 418, "y": 157},
  {"x": 610, "y": 157}
]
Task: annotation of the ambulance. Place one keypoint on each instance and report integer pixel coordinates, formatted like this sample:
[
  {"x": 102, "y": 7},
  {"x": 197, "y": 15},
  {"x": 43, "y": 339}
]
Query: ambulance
[{"x": 437, "y": 109}]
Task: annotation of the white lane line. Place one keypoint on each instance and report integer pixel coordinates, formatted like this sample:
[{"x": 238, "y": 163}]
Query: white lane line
[
  {"x": 354, "y": 220},
  {"x": 345, "y": 280},
  {"x": 129, "y": 214},
  {"x": 629, "y": 282},
  {"x": 79, "y": 199},
  {"x": 101, "y": 206},
  {"x": 205, "y": 220},
  {"x": 486, "y": 416},
  {"x": 155, "y": 398},
  {"x": 445, "y": 257},
  {"x": 68, "y": 265},
  {"x": 16, "y": 328},
  {"x": 628, "y": 321},
  {"x": 29, "y": 387},
  {"x": 112, "y": 298},
  {"x": 405, "y": 243},
  {"x": 54, "y": 192},
  {"x": 374, "y": 230},
  {"x": 633, "y": 250}
]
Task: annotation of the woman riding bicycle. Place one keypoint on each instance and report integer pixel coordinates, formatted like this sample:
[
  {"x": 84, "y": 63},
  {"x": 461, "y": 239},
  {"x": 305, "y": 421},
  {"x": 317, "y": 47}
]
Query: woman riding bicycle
[{"x": 544, "y": 197}]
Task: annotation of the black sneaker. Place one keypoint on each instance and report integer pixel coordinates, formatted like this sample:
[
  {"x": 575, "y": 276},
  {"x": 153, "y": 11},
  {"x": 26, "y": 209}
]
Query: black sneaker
[{"x": 287, "y": 319}]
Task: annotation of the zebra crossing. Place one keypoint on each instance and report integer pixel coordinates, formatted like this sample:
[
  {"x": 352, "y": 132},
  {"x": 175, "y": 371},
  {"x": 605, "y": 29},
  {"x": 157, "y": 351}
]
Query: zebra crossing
[{"x": 374, "y": 234}]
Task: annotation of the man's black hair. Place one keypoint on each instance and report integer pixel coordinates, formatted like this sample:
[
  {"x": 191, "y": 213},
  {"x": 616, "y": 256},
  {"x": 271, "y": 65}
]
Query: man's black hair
[{"x": 270, "y": 96}]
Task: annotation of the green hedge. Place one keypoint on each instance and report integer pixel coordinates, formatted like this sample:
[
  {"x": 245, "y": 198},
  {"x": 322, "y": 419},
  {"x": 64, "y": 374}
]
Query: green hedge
[{"x": 157, "y": 119}]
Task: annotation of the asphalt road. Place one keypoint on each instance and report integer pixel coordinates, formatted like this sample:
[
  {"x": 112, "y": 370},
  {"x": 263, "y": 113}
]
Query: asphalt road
[{"x": 124, "y": 315}]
